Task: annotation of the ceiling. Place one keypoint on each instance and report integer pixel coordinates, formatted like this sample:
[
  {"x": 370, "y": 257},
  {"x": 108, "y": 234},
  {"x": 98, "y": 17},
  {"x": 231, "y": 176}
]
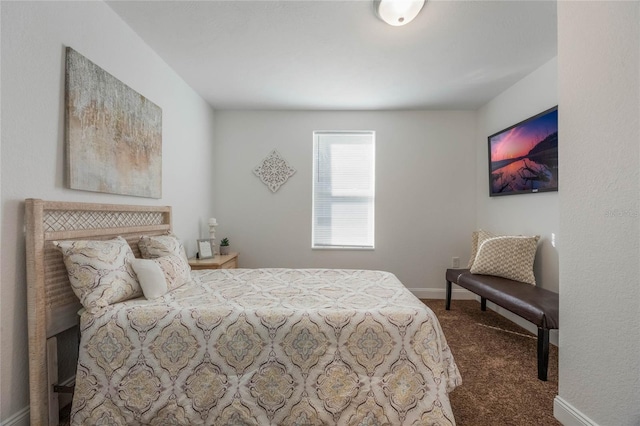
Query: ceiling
[{"x": 337, "y": 55}]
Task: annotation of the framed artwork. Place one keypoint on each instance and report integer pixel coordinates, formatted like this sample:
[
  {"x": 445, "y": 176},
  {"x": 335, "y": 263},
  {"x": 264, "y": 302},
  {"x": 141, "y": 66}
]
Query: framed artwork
[
  {"x": 205, "y": 249},
  {"x": 113, "y": 134},
  {"x": 523, "y": 158}
]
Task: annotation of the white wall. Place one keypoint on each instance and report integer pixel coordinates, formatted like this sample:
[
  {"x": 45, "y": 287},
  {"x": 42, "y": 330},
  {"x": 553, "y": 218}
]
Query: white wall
[
  {"x": 425, "y": 190},
  {"x": 599, "y": 95},
  {"x": 528, "y": 214},
  {"x": 34, "y": 36}
]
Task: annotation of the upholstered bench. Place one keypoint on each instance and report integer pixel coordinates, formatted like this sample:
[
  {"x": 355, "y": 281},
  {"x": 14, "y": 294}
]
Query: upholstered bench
[{"x": 532, "y": 303}]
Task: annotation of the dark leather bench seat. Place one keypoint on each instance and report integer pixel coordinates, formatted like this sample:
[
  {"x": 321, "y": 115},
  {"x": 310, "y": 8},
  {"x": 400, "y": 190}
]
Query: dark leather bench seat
[{"x": 535, "y": 304}]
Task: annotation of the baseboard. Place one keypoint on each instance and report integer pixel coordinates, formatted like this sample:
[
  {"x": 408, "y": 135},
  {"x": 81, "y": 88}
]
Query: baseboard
[
  {"x": 440, "y": 293},
  {"x": 568, "y": 415},
  {"x": 21, "y": 418}
]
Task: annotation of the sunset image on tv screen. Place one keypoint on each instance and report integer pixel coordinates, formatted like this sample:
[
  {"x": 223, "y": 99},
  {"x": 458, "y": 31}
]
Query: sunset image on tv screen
[{"x": 524, "y": 157}]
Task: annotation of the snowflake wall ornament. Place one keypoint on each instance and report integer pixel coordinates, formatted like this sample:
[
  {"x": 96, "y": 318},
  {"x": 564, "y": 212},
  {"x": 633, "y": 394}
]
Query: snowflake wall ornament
[{"x": 274, "y": 171}]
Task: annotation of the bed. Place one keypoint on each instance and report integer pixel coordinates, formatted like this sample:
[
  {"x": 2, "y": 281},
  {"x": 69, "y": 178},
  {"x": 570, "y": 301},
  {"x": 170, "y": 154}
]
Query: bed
[{"x": 243, "y": 346}]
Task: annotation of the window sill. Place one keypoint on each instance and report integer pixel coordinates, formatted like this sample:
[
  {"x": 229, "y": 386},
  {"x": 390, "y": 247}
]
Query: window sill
[{"x": 344, "y": 248}]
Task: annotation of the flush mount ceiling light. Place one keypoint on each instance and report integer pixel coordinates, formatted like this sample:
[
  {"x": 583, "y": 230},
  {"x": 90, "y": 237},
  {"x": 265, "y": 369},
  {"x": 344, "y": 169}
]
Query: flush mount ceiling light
[{"x": 397, "y": 12}]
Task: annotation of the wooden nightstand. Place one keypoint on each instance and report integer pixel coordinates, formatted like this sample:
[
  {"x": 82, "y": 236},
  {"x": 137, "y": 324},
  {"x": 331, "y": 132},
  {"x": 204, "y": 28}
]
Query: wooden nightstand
[{"x": 227, "y": 261}]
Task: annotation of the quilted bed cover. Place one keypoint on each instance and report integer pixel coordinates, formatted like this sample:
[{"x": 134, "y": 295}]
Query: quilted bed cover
[{"x": 267, "y": 347}]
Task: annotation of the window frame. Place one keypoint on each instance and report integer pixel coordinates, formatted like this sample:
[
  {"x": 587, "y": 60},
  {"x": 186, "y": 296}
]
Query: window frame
[{"x": 316, "y": 141}]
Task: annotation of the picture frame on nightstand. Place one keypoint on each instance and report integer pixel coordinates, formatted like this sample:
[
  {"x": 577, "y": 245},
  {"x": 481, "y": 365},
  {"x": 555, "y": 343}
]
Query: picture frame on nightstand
[{"x": 205, "y": 249}]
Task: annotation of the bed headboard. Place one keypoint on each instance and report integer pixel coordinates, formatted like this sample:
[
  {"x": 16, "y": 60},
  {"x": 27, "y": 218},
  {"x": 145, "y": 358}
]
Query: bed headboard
[{"x": 51, "y": 304}]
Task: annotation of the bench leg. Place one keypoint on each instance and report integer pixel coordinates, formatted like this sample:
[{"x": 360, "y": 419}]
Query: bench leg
[
  {"x": 543, "y": 353},
  {"x": 483, "y": 303},
  {"x": 448, "y": 300}
]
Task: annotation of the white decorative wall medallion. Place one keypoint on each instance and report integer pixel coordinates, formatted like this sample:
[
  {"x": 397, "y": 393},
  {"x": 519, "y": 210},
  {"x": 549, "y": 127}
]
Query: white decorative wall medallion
[{"x": 274, "y": 171}]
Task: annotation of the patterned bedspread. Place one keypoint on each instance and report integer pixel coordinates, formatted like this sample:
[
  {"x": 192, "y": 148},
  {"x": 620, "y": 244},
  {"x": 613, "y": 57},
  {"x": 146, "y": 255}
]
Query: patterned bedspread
[{"x": 267, "y": 347}]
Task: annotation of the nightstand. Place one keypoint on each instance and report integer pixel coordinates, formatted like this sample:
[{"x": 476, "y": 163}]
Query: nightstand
[{"x": 227, "y": 261}]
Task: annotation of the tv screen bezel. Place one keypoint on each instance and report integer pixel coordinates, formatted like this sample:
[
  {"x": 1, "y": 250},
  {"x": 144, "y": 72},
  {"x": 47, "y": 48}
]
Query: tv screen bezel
[{"x": 524, "y": 191}]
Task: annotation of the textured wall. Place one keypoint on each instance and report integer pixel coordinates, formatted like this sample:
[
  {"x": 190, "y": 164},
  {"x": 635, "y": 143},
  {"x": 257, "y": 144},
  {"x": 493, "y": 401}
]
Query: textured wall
[
  {"x": 528, "y": 214},
  {"x": 599, "y": 95},
  {"x": 425, "y": 172},
  {"x": 34, "y": 36}
]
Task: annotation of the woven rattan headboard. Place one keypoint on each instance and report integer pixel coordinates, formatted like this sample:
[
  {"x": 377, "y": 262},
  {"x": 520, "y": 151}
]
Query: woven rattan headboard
[{"x": 51, "y": 304}]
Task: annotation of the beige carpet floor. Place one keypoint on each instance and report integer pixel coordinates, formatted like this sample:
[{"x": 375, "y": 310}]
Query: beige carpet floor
[{"x": 497, "y": 360}]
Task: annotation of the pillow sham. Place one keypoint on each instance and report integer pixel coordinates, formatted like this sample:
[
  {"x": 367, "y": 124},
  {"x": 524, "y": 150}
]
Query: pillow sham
[
  {"x": 509, "y": 257},
  {"x": 477, "y": 238},
  {"x": 100, "y": 271},
  {"x": 161, "y": 275},
  {"x": 155, "y": 246},
  {"x": 474, "y": 248}
]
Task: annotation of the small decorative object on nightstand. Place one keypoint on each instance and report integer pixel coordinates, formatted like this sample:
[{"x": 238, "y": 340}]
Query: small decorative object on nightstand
[
  {"x": 212, "y": 232},
  {"x": 224, "y": 246},
  {"x": 228, "y": 261},
  {"x": 205, "y": 249}
]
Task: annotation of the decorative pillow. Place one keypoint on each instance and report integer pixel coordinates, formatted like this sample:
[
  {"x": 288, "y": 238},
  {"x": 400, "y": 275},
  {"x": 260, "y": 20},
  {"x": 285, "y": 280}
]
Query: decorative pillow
[
  {"x": 474, "y": 248},
  {"x": 100, "y": 271},
  {"x": 153, "y": 247},
  {"x": 508, "y": 257},
  {"x": 161, "y": 275},
  {"x": 477, "y": 238}
]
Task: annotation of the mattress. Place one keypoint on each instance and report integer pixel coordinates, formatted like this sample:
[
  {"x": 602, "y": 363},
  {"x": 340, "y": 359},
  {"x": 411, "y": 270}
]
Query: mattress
[{"x": 267, "y": 347}]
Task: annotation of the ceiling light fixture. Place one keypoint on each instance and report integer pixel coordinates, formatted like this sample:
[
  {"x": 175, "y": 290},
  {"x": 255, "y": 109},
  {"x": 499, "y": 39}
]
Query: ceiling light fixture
[{"x": 397, "y": 12}]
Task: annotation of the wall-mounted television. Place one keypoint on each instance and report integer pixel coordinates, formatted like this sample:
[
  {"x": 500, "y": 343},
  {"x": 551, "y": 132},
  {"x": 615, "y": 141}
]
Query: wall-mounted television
[{"x": 523, "y": 158}]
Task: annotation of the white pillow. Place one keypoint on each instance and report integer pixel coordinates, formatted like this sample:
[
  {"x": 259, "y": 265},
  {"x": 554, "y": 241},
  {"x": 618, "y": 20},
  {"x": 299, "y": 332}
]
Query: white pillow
[
  {"x": 159, "y": 276},
  {"x": 509, "y": 257}
]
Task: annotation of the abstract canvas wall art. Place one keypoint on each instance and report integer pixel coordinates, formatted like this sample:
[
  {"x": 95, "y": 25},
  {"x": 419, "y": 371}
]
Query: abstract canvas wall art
[{"x": 113, "y": 134}]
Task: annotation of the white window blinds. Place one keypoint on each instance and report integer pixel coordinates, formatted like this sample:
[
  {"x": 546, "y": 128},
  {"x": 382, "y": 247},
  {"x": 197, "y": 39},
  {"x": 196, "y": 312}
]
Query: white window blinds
[{"x": 343, "y": 189}]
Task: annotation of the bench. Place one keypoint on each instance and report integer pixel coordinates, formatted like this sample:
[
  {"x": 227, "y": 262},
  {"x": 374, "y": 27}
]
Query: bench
[{"x": 532, "y": 303}]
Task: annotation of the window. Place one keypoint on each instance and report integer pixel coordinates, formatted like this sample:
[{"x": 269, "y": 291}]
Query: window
[{"x": 343, "y": 190}]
